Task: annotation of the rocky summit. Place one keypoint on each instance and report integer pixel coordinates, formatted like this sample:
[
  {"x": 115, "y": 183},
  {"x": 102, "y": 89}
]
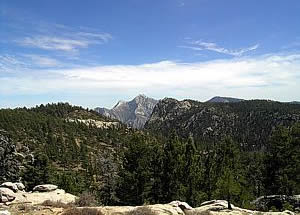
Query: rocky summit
[{"x": 133, "y": 113}]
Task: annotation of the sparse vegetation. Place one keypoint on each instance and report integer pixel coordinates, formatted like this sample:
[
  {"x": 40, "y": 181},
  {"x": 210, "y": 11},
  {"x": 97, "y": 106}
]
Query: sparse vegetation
[
  {"x": 141, "y": 211},
  {"x": 86, "y": 199},
  {"x": 56, "y": 204},
  {"x": 82, "y": 211}
]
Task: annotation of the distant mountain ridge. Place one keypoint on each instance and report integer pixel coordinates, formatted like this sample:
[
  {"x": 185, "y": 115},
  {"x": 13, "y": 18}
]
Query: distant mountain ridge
[
  {"x": 134, "y": 113},
  {"x": 219, "y": 99},
  {"x": 250, "y": 122}
]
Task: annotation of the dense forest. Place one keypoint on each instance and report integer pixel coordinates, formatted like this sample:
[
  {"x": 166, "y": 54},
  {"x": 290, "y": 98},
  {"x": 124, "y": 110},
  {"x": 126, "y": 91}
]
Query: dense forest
[{"x": 123, "y": 166}]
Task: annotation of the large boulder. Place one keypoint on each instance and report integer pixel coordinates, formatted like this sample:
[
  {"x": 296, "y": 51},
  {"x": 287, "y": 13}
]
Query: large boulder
[
  {"x": 40, "y": 197},
  {"x": 20, "y": 186},
  {"x": 45, "y": 188},
  {"x": 10, "y": 185},
  {"x": 158, "y": 209},
  {"x": 6, "y": 212},
  {"x": 8, "y": 193}
]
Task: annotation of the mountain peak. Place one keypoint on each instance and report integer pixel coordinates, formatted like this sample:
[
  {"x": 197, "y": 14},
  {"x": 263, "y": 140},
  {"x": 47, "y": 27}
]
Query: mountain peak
[{"x": 134, "y": 113}]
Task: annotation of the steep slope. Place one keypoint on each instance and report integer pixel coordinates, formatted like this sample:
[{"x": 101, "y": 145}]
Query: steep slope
[
  {"x": 248, "y": 122},
  {"x": 134, "y": 113},
  {"x": 219, "y": 99},
  {"x": 61, "y": 144}
]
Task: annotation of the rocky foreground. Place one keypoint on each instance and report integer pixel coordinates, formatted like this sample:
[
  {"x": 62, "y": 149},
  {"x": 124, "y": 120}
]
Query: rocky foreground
[{"x": 15, "y": 200}]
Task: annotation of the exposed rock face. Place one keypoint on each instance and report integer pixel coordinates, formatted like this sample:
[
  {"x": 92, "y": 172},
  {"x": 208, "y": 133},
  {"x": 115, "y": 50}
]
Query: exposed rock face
[
  {"x": 45, "y": 188},
  {"x": 5, "y": 212},
  {"x": 9, "y": 195},
  {"x": 10, "y": 185},
  {"x": 134, "y": 113},
  {"x": 219, "y": 207},
  {"x": 218, "y": 99},
  {"x": 10, "y": 162},
  {"x": 249, "y": 122},
  {"x": 214, "y": 207}
]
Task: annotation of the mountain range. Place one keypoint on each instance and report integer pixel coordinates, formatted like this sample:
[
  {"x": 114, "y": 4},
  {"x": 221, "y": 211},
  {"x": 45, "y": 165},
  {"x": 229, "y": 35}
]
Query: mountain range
[
  {"x": 137, "y": 112},
  {"x": 249, "y": 122}
]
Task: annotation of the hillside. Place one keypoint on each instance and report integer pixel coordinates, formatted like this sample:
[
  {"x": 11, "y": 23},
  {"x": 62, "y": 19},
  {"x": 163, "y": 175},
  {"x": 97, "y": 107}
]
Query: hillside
[
  {"x": 249, "y": 122},
  {"x": 59, "y": 143},
  {"x": 79, "y": 150},
  {"x": 134, "y": 113}
]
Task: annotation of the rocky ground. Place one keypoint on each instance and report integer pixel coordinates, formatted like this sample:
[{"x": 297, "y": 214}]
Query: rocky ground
[{"x": 48, "y": 199}]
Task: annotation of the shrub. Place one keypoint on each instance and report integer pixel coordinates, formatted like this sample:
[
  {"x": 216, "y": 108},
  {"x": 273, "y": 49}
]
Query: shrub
[
  {"x": 141, "y": 211},
  {"x": 56, "y": 204},
  {"x": 86, "y": 199},
  {"x": 287, "y": 206},
  {"x": 82, "y": 211}
]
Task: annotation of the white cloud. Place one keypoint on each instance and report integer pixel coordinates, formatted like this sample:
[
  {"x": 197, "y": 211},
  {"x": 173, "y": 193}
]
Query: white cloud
[
  {"x": 269, "y": 76},
  {"x": 62, "y": 38},
  {"x": 200, "y": 45},
  {"x": 43, "y": 61},
  {"x": 54, "y": 43}
]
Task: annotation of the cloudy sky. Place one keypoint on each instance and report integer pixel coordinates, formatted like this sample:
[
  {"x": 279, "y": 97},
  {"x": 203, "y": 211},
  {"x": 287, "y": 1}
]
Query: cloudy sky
[{"x": 94, "y": 53}]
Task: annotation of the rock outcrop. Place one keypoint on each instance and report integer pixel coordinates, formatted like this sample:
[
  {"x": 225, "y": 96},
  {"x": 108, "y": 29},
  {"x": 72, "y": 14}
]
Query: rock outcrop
[
  {"x": 45, "y": 188},
  {"x": 134, "y": 113},
  {"x": 11, "y": 193},
  {"x": 10, "y": 162},
  {"x": 214, "y": 207}
]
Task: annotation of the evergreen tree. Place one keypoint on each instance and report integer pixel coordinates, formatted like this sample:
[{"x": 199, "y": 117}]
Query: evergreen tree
[
  {"x": 228, "y": 185},
  {"x": 282, "y": 168},
  {"x": 172, "y": 169},
  {"x": 134, "y": 184}
]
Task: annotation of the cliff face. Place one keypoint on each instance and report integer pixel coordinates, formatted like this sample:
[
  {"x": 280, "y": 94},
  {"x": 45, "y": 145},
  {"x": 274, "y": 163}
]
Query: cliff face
[
  {"x": 10, "y": 159},
  {"x": 134, "y": 113},
  {"x": 248, "y": 122}
]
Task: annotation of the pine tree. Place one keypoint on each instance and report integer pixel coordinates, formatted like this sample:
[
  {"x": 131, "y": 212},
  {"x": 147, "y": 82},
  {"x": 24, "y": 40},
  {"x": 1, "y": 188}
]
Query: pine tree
[
  {"x": 172, "y": 169},
  {"x": 134, "y": 184},
  {"x": 282, "y": 168},
  {"x": 228, "y": 184}
]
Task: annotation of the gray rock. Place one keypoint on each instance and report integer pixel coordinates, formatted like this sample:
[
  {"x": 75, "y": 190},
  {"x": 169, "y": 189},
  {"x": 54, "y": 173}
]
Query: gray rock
[
  {"x": 8, "y": 193},
  {"x": 3, "y": 199},
  {"x": 10, "y": 185},
  {"x": 10, "y": 162},
  {"x": 20, "y": 186},
  {"x": 6, "y": 212},
  {"x": 182, "y": 205},
  {"x": 134, "y": 113},
  {"x": 45, "y": 188}
]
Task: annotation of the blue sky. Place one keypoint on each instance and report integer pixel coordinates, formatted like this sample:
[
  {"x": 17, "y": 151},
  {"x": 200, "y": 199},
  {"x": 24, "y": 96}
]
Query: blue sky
[{"x": 93, "y": 53}]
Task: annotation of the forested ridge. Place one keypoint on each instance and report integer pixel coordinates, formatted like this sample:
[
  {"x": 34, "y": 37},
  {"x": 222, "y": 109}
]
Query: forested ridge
[
  {"x": 122, "y": 166},
  {"x": 250, "y": 123}
]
